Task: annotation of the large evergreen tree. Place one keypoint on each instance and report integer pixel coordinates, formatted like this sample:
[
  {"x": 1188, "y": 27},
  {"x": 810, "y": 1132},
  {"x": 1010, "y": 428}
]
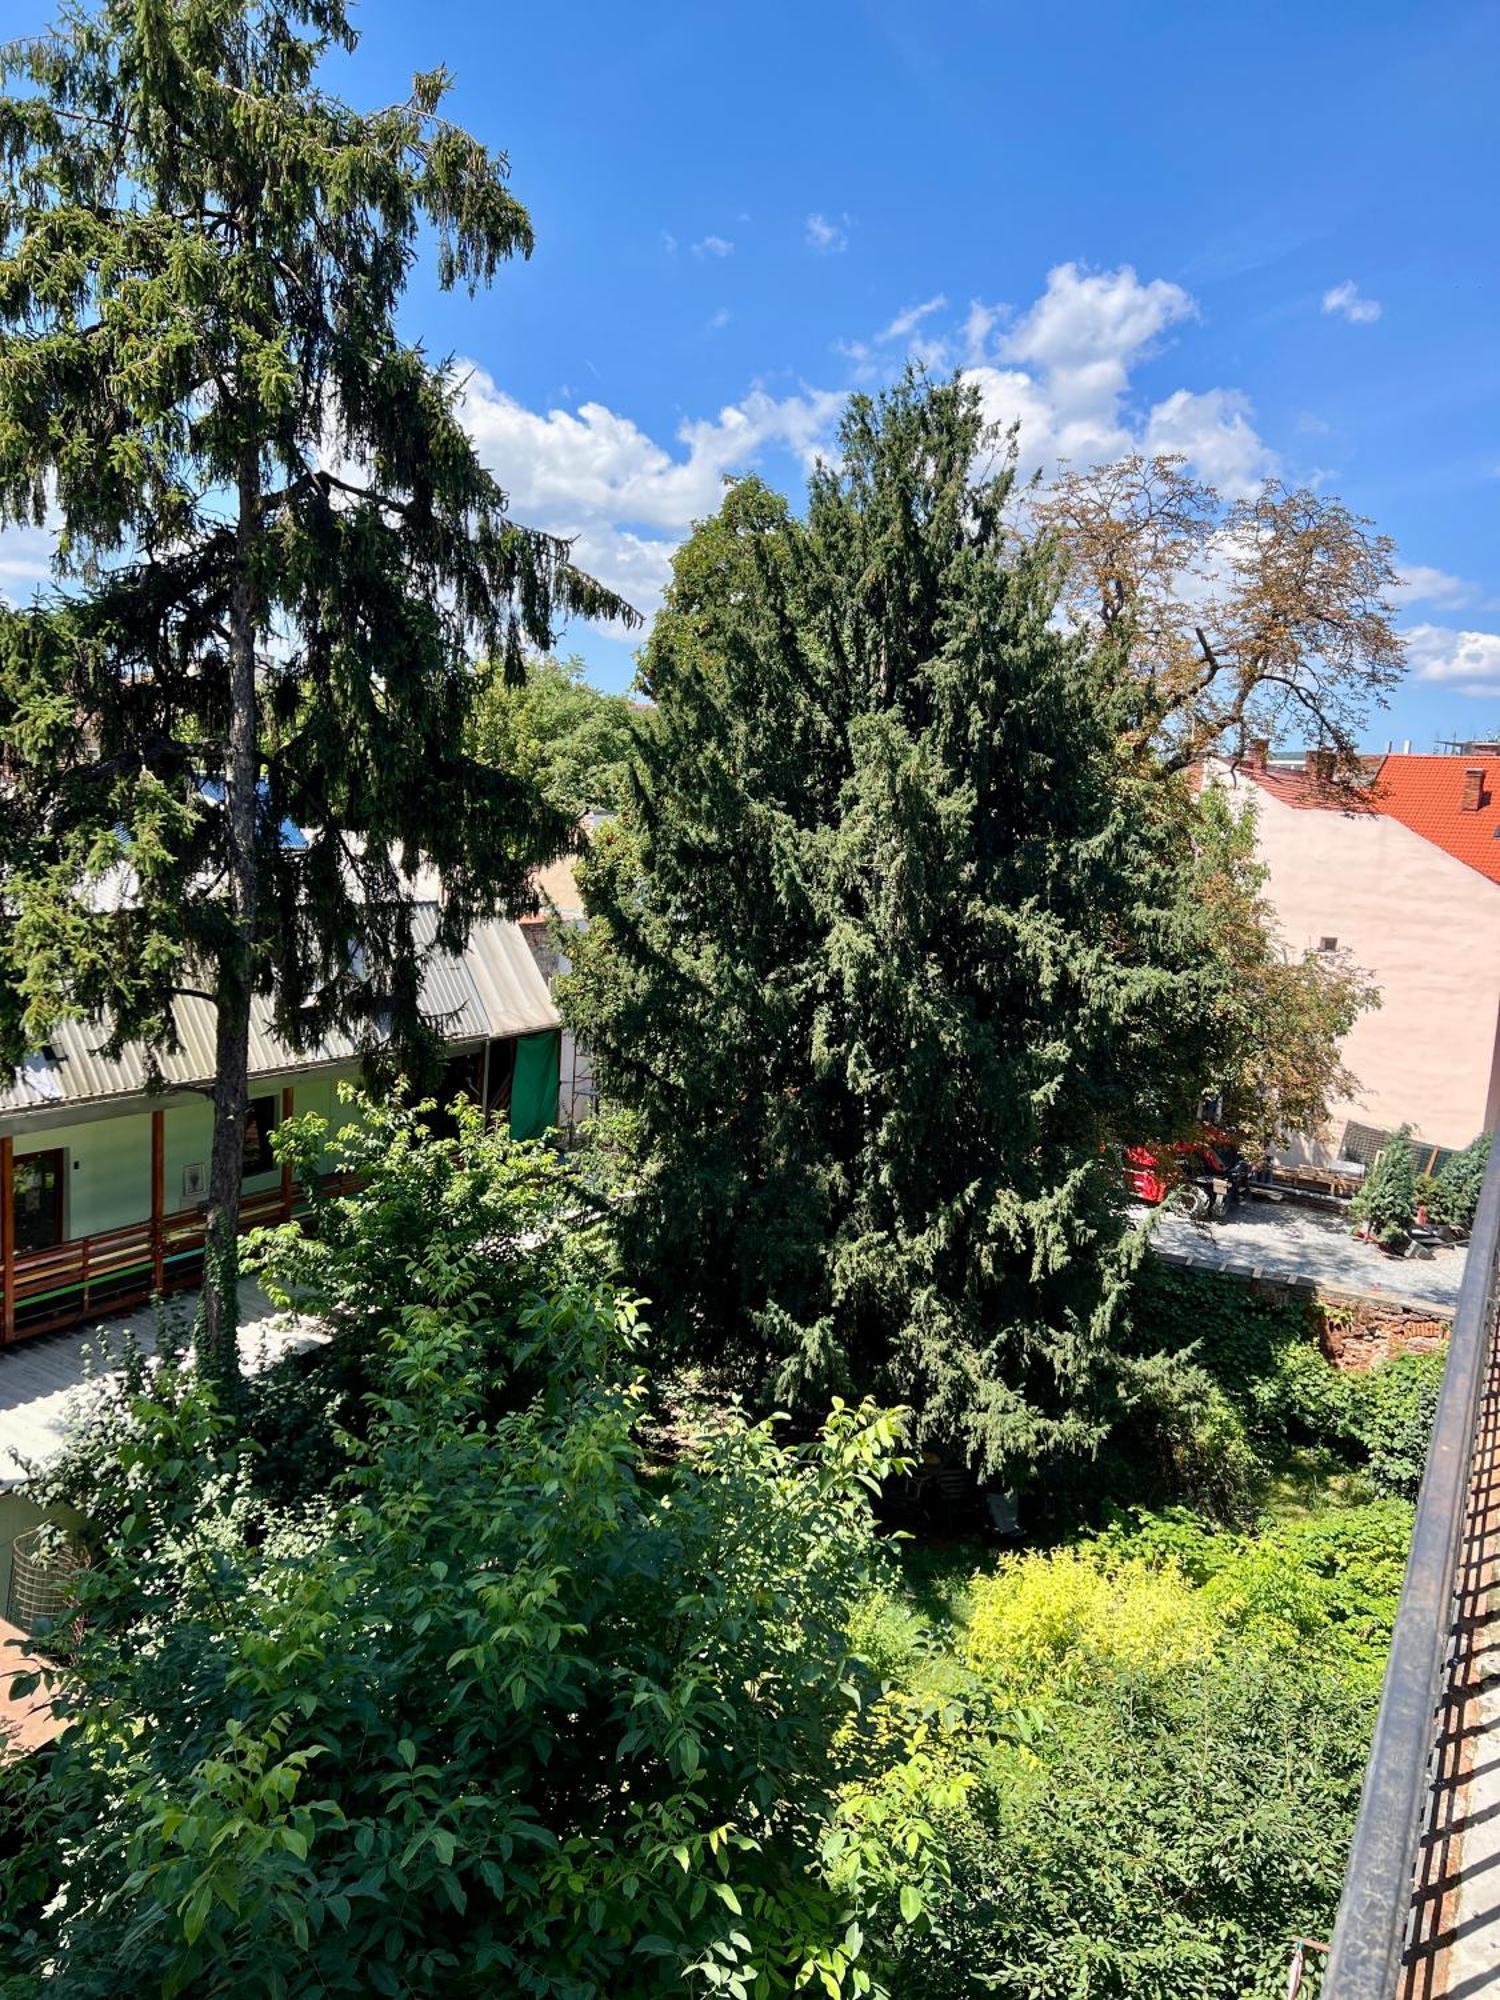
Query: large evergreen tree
[
  {"x": 276, "y": 549},
  {"x": 892, "y": 948}
]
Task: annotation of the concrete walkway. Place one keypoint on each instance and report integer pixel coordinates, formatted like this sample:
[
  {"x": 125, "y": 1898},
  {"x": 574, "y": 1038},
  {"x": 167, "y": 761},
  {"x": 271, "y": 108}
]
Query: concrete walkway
[
  {"x": 1288, "y": 1241},
  {"x": 40, "y": 1378}
]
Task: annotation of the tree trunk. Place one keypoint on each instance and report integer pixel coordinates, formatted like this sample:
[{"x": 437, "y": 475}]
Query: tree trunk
[{"x": 218, "y": 1317}]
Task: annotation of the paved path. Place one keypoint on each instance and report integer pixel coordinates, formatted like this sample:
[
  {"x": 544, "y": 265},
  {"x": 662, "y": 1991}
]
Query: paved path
[
  {"x": 40, "y": 1377},
  {"x": 1287, "y": 1240}
]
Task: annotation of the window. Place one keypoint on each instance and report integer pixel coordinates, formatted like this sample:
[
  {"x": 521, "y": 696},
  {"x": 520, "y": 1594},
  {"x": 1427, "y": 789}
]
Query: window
[
  {"x": 1328, "y": 944},
  {"x": 260, "y": 1123}
]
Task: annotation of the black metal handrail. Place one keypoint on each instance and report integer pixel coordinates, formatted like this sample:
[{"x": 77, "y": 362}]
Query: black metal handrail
[{"x": 1375, "y": 1910}]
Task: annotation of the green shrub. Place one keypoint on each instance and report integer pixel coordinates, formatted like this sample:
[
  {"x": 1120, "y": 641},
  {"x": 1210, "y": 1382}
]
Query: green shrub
[
  {"x": 888, "y": 1636},
  {"x": 1456, "y": 1188},
  {"x": 1149, "y": 1788},
  {"x": 1303, "y": 1398},
  {"x": 1325, "y": 1586},
  {"x": 1044, "y": 1620},
  {"x": 1386, "y": 1200},
  {"x": 1393, "y": 1412},
  {"x": 1225, "y": 1381},
  {"x": 1139, "y": 1839},
  {"x": 515, "y": 1711},
  {"x": 1180, "y": 1437}
]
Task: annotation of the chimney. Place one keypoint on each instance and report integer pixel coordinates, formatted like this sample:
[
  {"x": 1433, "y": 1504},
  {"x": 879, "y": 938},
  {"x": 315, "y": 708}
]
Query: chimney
[
  {"x": 1258, "y": 753},
  {"x": 1473, "y": 797},
  {"x": 1318, "y": 765}
]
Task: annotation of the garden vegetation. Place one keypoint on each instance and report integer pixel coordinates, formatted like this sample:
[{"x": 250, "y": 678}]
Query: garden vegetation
[
  {"x": 541, "y": 1627},
  {"x": 437, "y": 1670}
]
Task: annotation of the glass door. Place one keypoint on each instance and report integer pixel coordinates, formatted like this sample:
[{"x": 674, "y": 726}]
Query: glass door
[{"x": 39, "y": 1200}]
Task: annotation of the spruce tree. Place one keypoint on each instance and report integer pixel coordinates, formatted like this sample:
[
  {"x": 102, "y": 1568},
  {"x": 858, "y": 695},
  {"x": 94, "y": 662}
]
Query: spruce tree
[
  {"x": 276, "y": 545},
  {"x": 1460, "y": 1181},
  {"x": 1386, "y": 1200},
  {"x": 892, "y": 950}
]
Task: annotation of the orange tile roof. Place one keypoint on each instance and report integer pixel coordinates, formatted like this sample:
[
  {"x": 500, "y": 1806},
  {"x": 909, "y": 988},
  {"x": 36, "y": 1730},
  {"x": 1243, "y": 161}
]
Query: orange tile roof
[
  {"x": 1306, "y": 792},
  {"x": 1423, "y": 793},
  {"x": 1426, "y": 794}
]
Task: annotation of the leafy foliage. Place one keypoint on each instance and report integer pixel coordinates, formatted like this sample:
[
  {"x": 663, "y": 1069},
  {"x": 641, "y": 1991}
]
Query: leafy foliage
[
  {"x": 563, "y": 736},
  {"x": 512, "y": 1710},
  {"x": 889, "y": 950},
  {"x": 1394, "y": 1408},
  {"x": 1225, "y": 1382},
  {"x": 276, "y": 546},
  {"x": 1140, "y": 1763},
  {"x": 1386, "y": 1199},
  {"x": 1324, "y": 1587},
  {"x": 501, "y": 1697}
]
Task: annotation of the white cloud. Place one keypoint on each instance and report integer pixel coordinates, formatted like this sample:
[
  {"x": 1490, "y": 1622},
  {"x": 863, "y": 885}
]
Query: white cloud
[
  {"x": 598, "y": 477},
  {"x": 906, "y": 323},
  {"x": 827, "y": 235},
  {"x": 1348, "y": 300},
  {"x": 1089, "y": 326},
  {"x": 978, "y": 325},
  {"x": 1425, "y": 585},
  {"x": 1080, "y": 341},
  {"x": 713, "y": 246},
  {"x": 1468, "y": 662},
  {"x": 1063, "y": 371},
  {"x": 1213, "y": 431},
  {"x": 720, "y": 319}
]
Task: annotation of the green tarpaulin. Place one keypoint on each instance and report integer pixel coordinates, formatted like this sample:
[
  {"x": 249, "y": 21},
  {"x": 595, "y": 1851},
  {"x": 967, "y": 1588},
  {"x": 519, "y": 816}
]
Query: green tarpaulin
[{"x": 533, "y": 1092}]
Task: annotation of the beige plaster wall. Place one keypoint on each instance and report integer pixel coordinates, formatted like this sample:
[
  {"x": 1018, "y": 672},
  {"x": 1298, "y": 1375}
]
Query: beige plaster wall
[{"x": 1427, "y": 928}]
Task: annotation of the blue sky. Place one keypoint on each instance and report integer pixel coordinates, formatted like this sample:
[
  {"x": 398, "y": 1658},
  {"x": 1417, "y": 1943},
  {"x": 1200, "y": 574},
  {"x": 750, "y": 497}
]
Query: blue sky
[{"x": 739, "y": 208}]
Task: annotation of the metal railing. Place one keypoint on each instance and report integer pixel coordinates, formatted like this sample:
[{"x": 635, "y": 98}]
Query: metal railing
[{"x": 1375, "y": 1911}]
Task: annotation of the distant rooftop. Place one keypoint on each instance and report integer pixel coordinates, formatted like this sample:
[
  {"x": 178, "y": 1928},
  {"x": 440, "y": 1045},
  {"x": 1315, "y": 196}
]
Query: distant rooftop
[{"x": 1452, "y": 800}]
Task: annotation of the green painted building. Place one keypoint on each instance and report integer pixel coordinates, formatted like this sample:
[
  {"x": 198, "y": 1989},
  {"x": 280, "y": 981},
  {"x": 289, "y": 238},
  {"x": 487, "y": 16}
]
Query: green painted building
[{"x": 102, "y": 1185}]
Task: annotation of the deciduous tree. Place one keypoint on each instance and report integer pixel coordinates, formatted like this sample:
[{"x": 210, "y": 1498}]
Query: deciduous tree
[
  {"x": 506, "y": 1709},
  {"x": 276, "y": 545},
  {"x": 1242, "y": 617},
  {"x": 571, "y": 740}
]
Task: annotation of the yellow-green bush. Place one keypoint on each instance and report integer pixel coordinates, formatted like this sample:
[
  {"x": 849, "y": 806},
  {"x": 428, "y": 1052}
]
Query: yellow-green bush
[{"x": 1041, "y": 1617}]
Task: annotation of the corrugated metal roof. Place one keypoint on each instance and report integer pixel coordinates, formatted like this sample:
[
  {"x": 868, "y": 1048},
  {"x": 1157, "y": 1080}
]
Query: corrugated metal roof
[
  {"x": 495, "y": 989},
  {"x": 449, "y": 1000},
  {"x": 508, "y": 981}
]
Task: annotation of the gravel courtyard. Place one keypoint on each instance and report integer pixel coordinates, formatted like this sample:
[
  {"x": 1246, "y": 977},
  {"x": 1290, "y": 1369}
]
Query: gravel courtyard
[{"x": 1284, "y": 1239}]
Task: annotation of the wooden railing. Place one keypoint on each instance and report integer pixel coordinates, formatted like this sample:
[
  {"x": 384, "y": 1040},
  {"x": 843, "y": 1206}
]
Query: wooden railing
[{"x": 67, "y": 1283}]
